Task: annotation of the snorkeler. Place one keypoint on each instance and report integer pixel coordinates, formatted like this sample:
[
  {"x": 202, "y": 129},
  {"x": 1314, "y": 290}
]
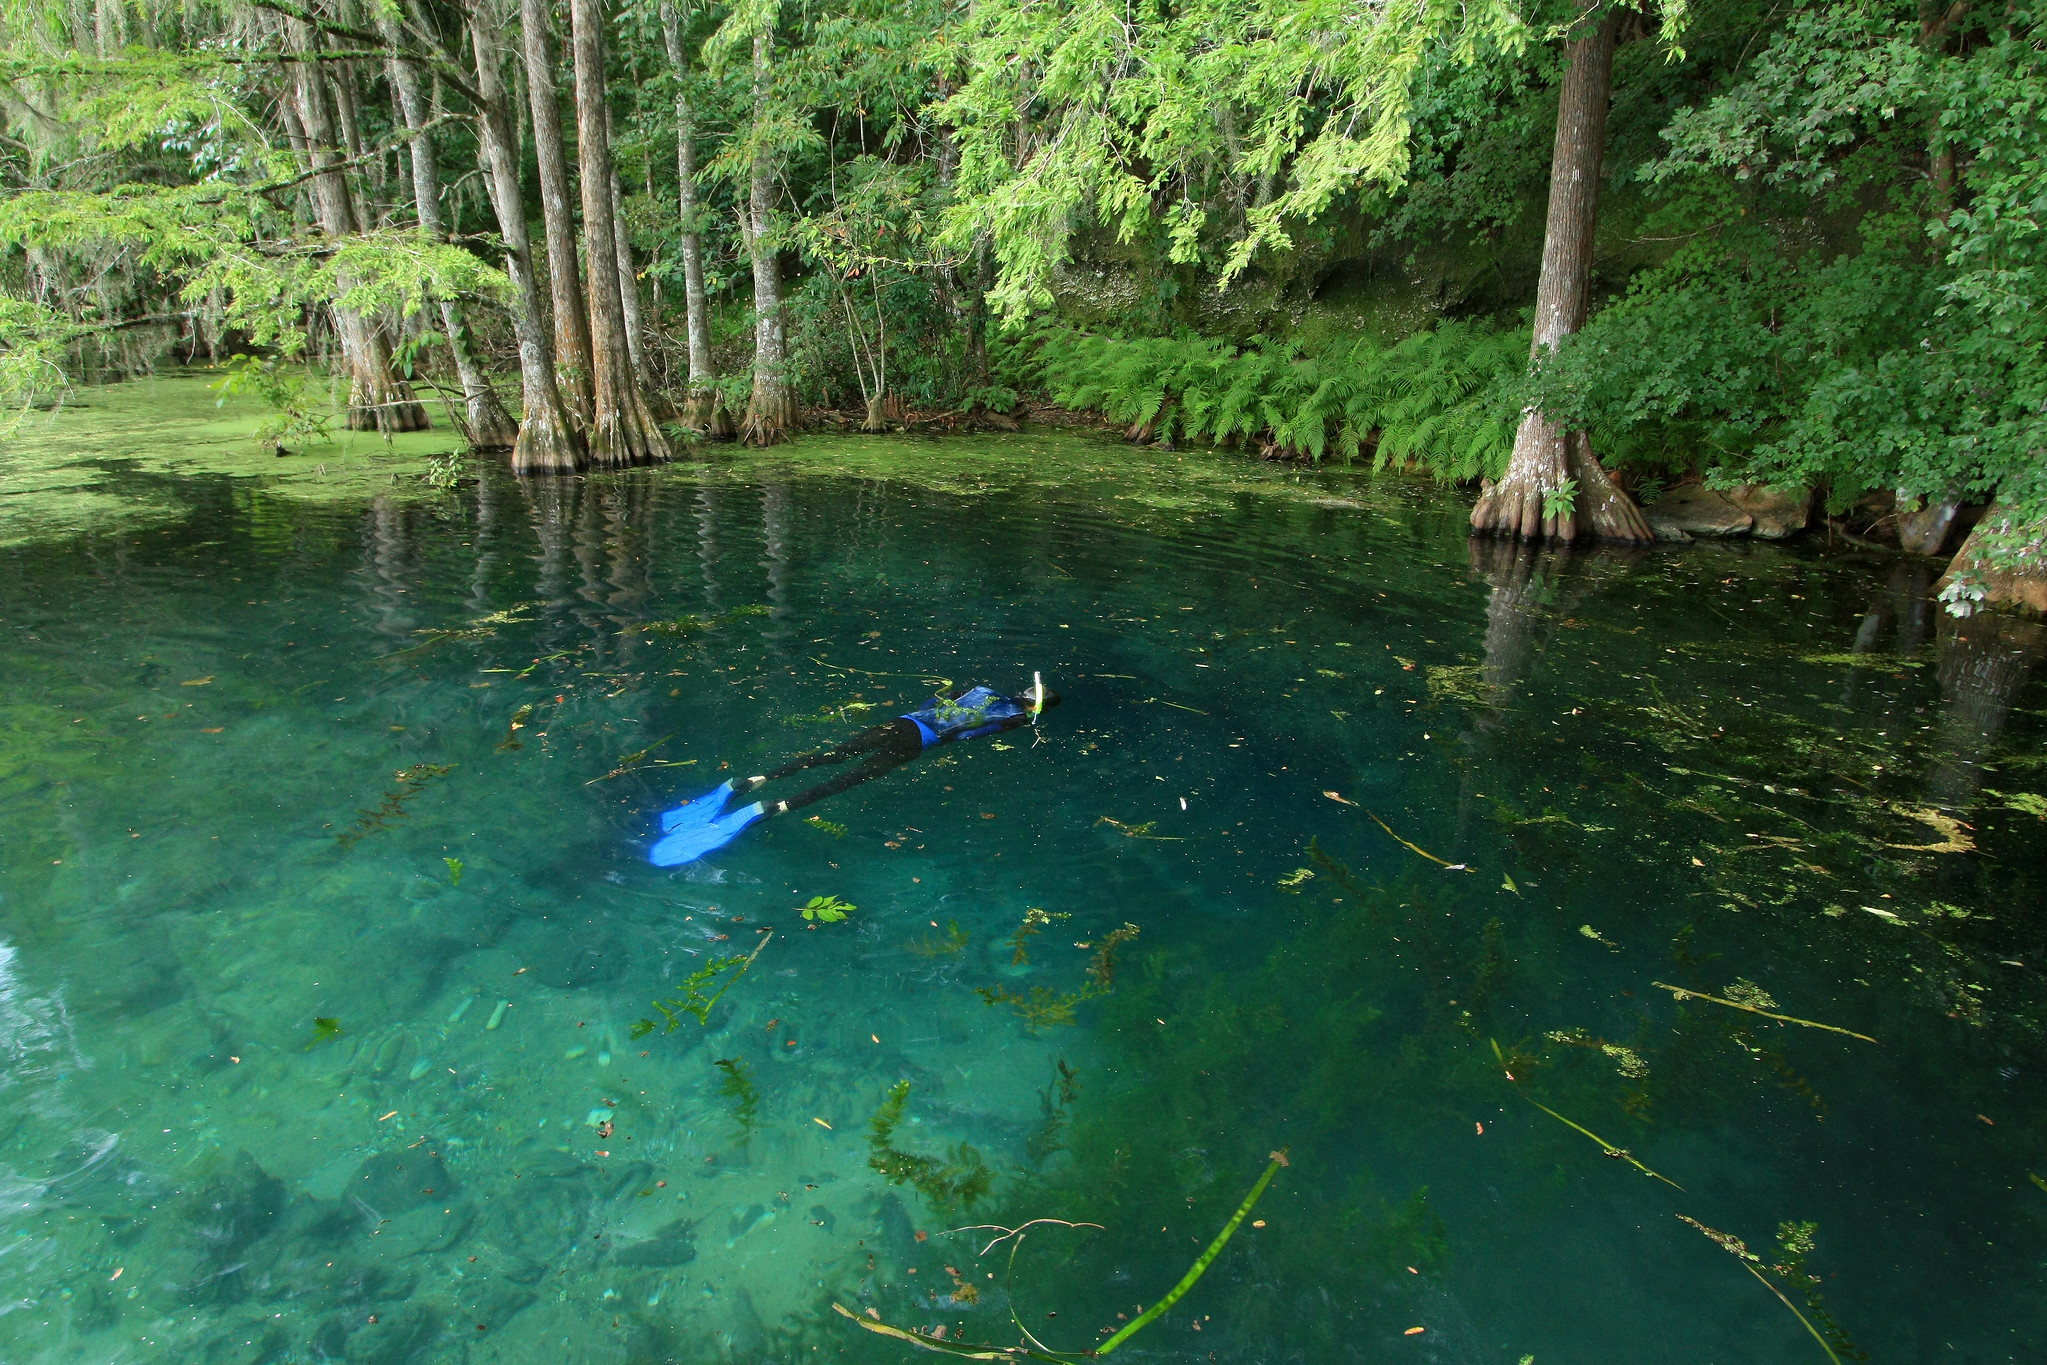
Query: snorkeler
[{"x": 701, "y": 826}]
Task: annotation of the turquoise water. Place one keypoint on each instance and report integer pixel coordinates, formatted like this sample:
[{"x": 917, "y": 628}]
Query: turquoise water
[{"x": 1749, "y": 771}]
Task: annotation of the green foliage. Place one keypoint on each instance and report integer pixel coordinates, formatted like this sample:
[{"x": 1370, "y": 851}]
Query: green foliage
[
  {"x": 692, "y": 999},
  {"x": 294, "y": 416},
  {"x": 738, "y": 1087},
  {"x": 824, "y": 826},
  {"x": 1560, "y": 502},
  {"x": 325, "y": 1030},
  {"x": 826, "y": 909},
  {"x": 454, "y": 871},
  {"x": 962, "y": 1179},
  {"x": 1445, "y": 398}
]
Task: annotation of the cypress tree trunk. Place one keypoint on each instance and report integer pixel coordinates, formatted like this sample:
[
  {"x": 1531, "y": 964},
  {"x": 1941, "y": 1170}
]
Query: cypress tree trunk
[
  {"x": 547, "y": 437},
  {"x": 704, "y": 409},
  {"x": 1528, "y": 500},
  {"x": 622, "y": 426},
  {"x": 490, "y": 426},
  {"x": 772, "y": 410},
  {"x": 571, "y": 319},
  {"x": 628, "y": 276},
  {"x": 377, "y": 399}
]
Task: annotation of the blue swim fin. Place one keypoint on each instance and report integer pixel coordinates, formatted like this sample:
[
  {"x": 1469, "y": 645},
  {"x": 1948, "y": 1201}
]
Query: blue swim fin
[
  {"x": 701, "y": 811},
  {"x": 693, "y": 841}
]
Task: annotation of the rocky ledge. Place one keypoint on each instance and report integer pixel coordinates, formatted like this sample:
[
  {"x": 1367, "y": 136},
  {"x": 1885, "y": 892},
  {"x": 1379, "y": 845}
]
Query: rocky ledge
[{"x": 1693, "y": 509}]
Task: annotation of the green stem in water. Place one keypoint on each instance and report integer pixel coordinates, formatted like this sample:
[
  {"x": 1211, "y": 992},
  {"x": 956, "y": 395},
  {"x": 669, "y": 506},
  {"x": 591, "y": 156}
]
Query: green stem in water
[{"x": 1200, "y": 1267}]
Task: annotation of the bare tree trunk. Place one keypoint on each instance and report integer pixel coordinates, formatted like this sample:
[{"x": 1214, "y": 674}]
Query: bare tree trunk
[
  {"x": 547, "y": 437},
  {"x": 490, "y": 426},
  {"x": 377, "y": 399},
  {"x": 772, "y": 410},
  {"x": 571, "y": 319},
  {"x": 628, "y": 274},
  {"x": 1531, "y": 498},
  {"x": 623, "y": 430},
  {"x": 704, "y": 409}
]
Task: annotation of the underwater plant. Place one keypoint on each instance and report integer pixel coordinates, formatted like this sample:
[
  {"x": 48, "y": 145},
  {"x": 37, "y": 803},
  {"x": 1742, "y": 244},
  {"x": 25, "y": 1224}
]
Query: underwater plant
[
  {"x": 692, "y": 1001},
  {"x": 324, "y": 1031},
  {"x": 963, "y": 1179},
  {"x": 951, "y": 945},
  {"x": 410, "y": 781},
  {"x": 738, "y": 1087},
  {"x": 1794, "y": 1245},
  {"x": 824, "y": 826},
  {"x": 454, "y": 871},
  {"x": 1053, "y": 1101},
  {"x": 1037, "y": 1350},
  {"x": 1043, "y": 1007}
]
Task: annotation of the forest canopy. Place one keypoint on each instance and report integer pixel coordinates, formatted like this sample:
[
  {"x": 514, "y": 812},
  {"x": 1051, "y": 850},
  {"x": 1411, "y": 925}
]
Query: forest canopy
[{"x": 1564, "y": 248}]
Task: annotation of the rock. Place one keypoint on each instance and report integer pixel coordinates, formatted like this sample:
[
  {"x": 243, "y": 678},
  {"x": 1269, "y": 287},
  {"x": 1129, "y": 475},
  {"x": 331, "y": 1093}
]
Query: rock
[
  {"x": 1666, "y": 530},
  {"x": 1931, "y": 529},
  {"x": 1697, "y": 510},
  {"x": 671, "y": 1246},
  {"x": 1779, "y": 513},
  {"x": 2019, "y": 582}
]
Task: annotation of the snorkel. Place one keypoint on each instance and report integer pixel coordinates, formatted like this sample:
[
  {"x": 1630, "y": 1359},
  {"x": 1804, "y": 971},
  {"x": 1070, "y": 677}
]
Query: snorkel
[{"x": 1037, "y": 697}]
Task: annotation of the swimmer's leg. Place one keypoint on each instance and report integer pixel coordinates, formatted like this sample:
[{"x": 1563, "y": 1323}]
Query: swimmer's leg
[
  {"x": 887, "y": 747},
  {"x": 866, "y": 742}
]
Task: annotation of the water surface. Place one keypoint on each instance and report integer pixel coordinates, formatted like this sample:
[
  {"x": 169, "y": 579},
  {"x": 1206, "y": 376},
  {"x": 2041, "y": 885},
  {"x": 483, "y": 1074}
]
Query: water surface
[{"x": 246, "y": 740}]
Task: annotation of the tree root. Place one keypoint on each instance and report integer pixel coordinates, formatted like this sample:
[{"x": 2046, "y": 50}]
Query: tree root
[
  {"x": 546, "y": 445},
  {"x": 770, "y": 416},
  {"x": 1555, "y": 489}
]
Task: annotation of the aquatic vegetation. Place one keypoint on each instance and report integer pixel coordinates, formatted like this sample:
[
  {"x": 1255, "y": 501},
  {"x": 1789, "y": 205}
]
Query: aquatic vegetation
[
  {"x": 410, "y": 782},
  {"x": 1041, "y": 1006},
  {"x": 824, "y": 826},
  {"x": 1795, "y": 1244},
  {"x": 1459, "y": 683},
  {"x": 826, "y": 909},
  {"x": 325, "y": 1030},
  {"x": 442, "y": 471},
  {"x": 1143, "y": 831},
  {"x": 1035, "y": 922},
  {"x": 1626, "y": 1060},
  {"x": 454, "y": 871},
  {"x": 738, "y": 1087},
  {"x": 1617, "y": 1153},
  {"x": 1037, "y": 1350},
  {"x": 513, "y": 727},
  {"x": 1587, "y": 931},
  {"x": 1953, "y": 838},
  {"x": 962, "y": 1179},
  {"x": 844, "y": 711},
  {"x": 702, "y": 621},
  {"x": 1053, "y": 1102},
  {"x": 952, "y": 944},
  {"x": 692, "y": 1000},
  {"x": 481, "y": 628},
  {"x": 1292, "y": 882},
  {"x": 1746, "y": 995},
  {"x": 633, "y": 760}
]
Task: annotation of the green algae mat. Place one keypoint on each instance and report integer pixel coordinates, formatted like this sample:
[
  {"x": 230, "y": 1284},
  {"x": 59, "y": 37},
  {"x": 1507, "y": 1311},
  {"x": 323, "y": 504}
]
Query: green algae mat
[{"x": 1583, "y": 958}]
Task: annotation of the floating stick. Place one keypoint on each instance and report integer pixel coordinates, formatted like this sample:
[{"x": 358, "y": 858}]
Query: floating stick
[
  {"x": 1621, "y": 1152},
  {"x": 1738, "y": 1249},
  {"x": 1454, "y": 867},
  {"x": 1684, "y": 993}
]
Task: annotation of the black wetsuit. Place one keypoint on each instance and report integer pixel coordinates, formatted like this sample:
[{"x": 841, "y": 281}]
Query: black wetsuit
[{"x": 965, "y": 713}]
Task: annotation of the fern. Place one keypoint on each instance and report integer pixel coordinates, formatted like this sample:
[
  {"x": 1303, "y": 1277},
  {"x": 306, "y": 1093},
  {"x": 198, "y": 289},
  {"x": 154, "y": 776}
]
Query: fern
[{"x": 1445, "y": 400}]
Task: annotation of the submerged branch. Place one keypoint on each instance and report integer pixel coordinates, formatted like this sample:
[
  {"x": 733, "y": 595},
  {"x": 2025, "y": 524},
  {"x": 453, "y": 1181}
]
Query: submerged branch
[{"x": 1685, "y": 993}]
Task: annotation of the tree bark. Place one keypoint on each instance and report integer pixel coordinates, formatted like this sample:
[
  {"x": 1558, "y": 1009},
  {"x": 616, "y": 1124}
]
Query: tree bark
[
  {"x": 1532, "y": 497},
  {"x": 377, "y": 399},
  {"x": 547, "y": 441},
  {"x": 490, "y": 426},
  {"x": 704, "y": 409},
  {"x": 623, "y": 430},
  {"x": 628, "y": 274},
  {"x": 565, "y": 281},
  {"x": 771, "y": 411}
]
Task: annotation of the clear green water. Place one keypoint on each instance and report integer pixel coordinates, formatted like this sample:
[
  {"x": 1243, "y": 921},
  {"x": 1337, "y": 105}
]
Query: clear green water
[{"x": 1716, "y": 766}]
